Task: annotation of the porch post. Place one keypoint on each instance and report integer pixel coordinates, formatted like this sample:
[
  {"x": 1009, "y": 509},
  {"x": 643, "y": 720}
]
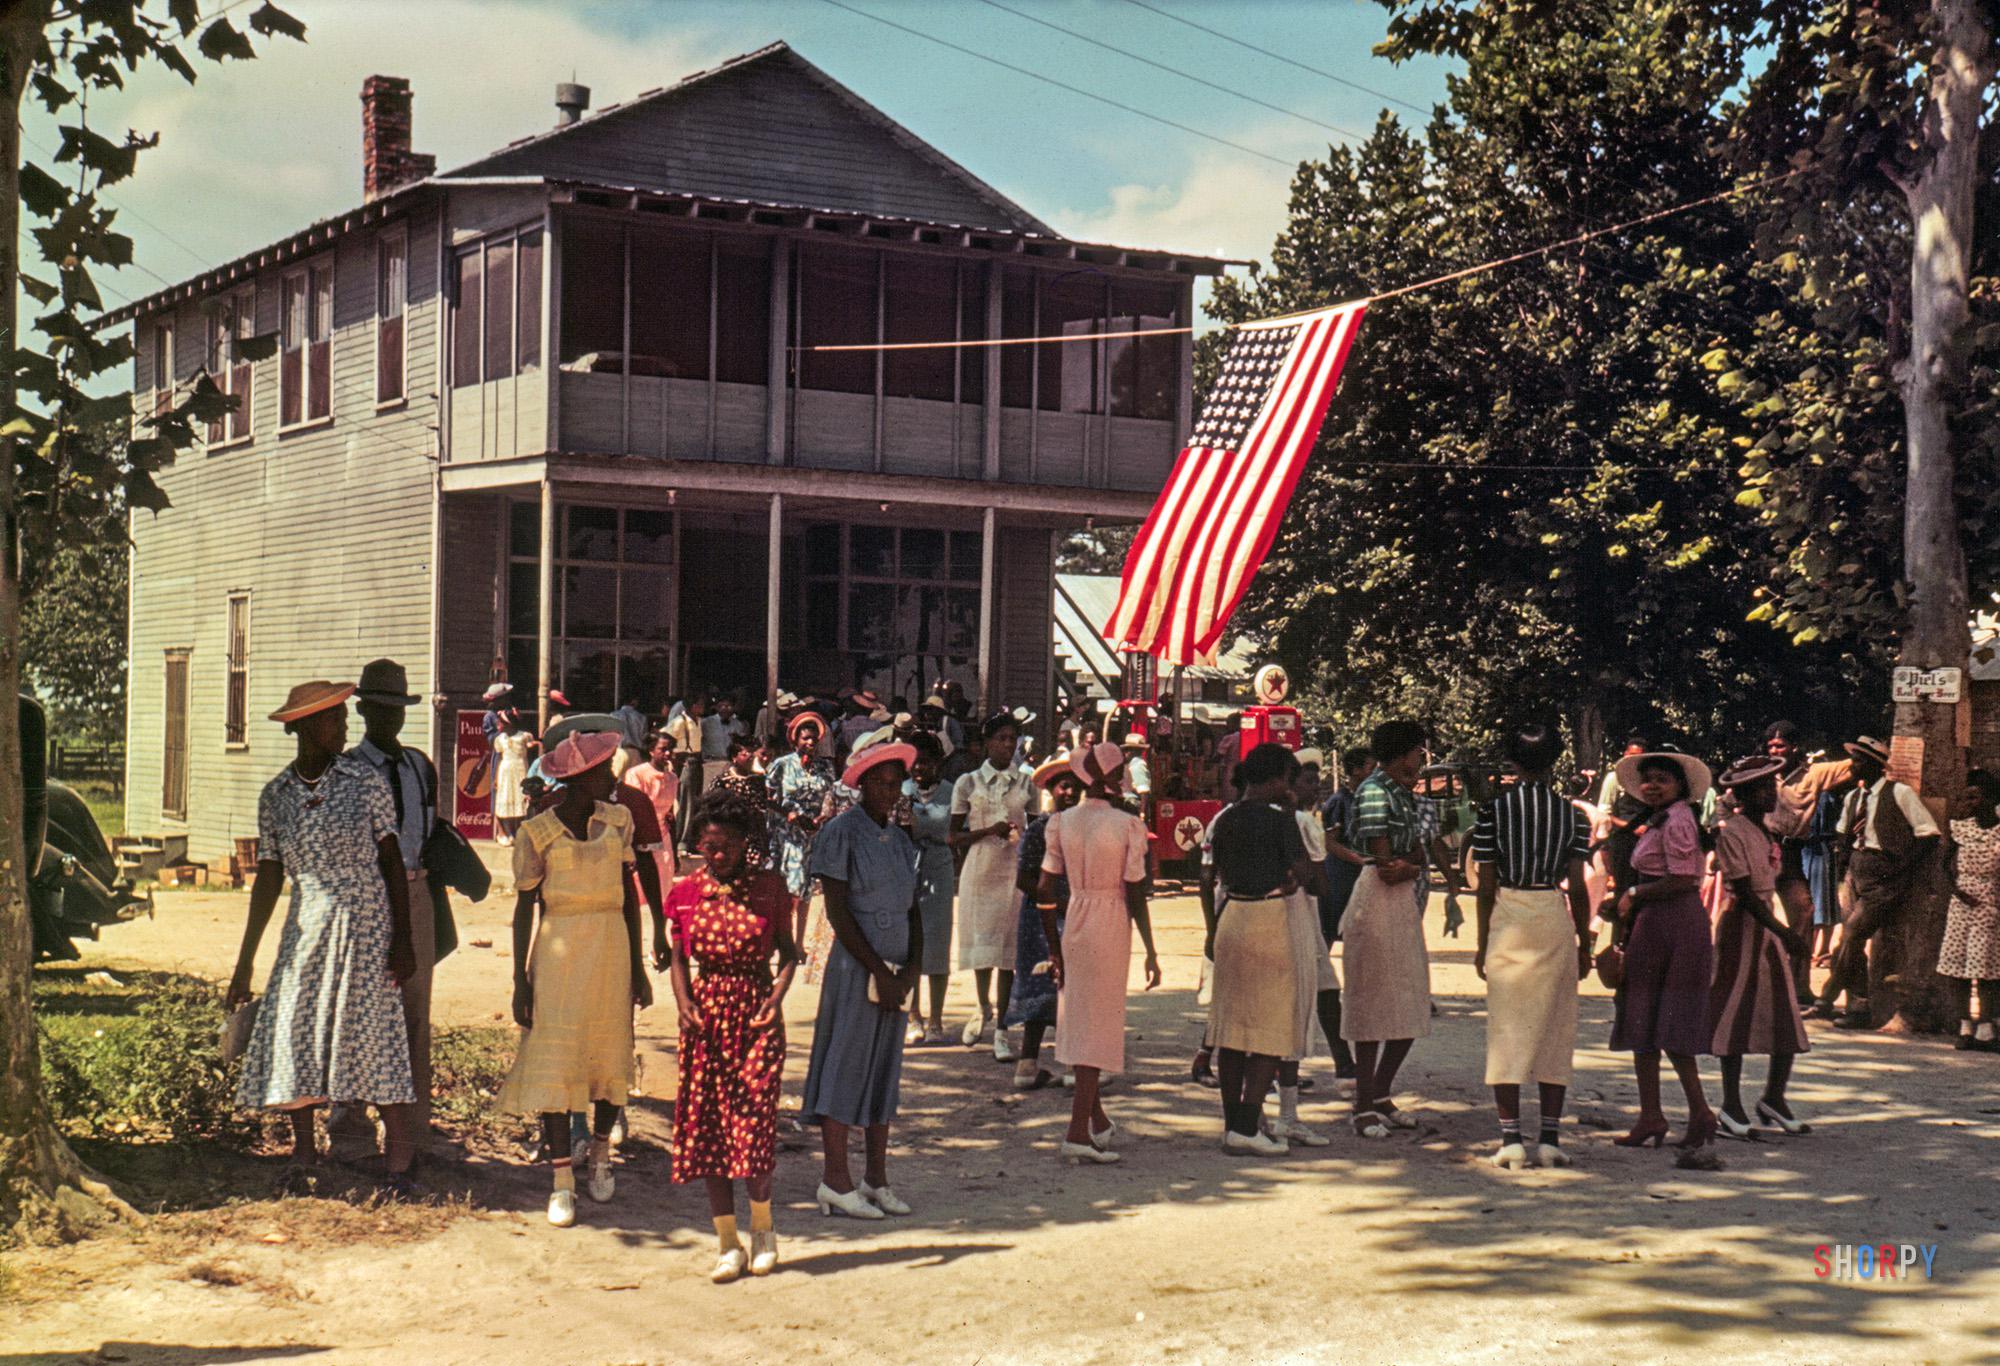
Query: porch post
[
  {"x": 772, "y": 617},
  {"x": 986, "y": 564},
  {"x": 545, "y": 619}
]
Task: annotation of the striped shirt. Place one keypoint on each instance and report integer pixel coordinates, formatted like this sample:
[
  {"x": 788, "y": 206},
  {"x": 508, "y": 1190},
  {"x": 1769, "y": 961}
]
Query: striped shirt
[
  {"x": 1532, "y": 834},
  {"x": 1384, "y": 808}
]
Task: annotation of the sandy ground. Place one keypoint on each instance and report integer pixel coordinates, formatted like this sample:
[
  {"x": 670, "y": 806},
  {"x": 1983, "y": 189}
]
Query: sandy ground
[{"x": 1411, "y": 1249}]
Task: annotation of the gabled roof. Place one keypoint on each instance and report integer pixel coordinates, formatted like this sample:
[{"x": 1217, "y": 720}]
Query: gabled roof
[{"x": 767, "y": 126}]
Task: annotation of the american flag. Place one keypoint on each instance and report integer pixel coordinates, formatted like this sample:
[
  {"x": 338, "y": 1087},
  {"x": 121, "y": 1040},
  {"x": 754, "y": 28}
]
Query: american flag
[{"x": 1215, "y": 520}]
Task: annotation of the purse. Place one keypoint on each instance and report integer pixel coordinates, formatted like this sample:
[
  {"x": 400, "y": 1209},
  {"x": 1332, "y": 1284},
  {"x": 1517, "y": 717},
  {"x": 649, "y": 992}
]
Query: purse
[
  {"x": 1610, "y": 963},
  {"x": 236, "y": 1030},
  {"x": 874, "y": 987}
]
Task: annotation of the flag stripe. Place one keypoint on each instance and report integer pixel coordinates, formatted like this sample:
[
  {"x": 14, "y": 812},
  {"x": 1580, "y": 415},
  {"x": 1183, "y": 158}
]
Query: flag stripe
[
  {"x": 1242, "y": 558},
  {"x": 1221, "y": 508},
  {"x": 1267, "y": 454}
]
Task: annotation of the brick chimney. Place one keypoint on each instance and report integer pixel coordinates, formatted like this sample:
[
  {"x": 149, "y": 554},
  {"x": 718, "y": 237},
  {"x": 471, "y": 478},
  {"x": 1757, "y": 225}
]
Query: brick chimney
[{"x": 387, "y": 163}]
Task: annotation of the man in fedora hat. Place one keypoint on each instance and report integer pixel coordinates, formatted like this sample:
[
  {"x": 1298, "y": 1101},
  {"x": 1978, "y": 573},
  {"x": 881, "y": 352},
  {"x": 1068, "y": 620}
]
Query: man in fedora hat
[
  {"x": 383, "y": 698},
  {"x": 1886, "y": 836}
]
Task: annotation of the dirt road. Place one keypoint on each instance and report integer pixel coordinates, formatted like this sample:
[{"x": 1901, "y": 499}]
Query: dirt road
[{"x": 1411, "y": 1249}]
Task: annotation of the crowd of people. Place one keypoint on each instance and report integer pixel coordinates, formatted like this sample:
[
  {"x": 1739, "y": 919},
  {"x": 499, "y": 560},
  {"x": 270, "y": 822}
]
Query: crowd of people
[{"x": 861, "y": 845}]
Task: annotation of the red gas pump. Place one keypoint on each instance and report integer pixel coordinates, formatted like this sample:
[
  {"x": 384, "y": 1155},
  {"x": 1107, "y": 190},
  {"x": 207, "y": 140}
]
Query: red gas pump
[{"x": 1269, "y": 720}]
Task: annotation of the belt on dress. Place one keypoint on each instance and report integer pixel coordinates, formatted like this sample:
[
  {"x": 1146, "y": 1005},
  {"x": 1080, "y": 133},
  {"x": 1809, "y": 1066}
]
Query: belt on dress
[{"x": 717, "y": 970}]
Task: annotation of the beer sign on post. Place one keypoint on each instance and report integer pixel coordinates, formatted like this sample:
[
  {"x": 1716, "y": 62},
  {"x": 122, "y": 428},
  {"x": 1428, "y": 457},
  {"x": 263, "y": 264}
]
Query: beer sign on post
[{"x": 1926, "y": 685}]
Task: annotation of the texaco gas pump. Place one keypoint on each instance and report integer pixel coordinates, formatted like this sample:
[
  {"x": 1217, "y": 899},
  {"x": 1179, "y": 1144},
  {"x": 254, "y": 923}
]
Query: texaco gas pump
[{"x": 1269, "y": 720}]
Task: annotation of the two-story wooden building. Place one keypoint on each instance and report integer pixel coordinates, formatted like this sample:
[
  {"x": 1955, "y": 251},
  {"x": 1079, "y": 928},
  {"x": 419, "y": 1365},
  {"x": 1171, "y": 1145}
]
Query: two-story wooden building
[{"x": 556, "y": 416}]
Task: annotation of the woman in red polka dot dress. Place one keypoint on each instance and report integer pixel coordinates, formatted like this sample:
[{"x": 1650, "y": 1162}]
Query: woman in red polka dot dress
[{"x": 728, "y": 920}]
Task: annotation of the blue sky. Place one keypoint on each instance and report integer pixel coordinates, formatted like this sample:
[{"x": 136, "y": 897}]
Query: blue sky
[{"x": 257, "y": 150}]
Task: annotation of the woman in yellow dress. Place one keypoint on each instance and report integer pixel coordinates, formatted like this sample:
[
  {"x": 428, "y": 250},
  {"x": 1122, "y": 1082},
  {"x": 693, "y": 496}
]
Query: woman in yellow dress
[{"x": 573, "y": 996}]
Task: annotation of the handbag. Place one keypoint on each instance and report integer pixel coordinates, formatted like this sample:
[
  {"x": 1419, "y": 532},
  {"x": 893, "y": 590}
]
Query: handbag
[
  {"x": 874, "y": 985},
  {"x": 1610, "y": 963},
  {"x": 236, "y": 1030}
]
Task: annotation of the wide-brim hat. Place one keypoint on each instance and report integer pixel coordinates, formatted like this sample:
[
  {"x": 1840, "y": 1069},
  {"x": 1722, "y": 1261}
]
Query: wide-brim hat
[
  {"x": 495, "y": 691},
  {"x": 866, "y": 700},
  {"x": 316, "y": 696},
  {"x": 1134, "y": 739},
  {"x": 578, "y": 755},
  {"x": 1099, "y": 763},
  {"x": 1699, "y": 779},
  {"x": 805, "y": 720},
  {"x": 1051, "y": 769},
  {"x": 880, "y": 715},
  {"x": 556, "y": 698},
  {"x": 1754, "y": 768},
  {"x": 787, "y": 700},
  {"x": 387, "y": 682},
  {"x": 1312, "y": 756},
  {"x": 1868, "y": 747},
  {"x": 935, "y": 702},
  {"x": 875, "y": 755},
  {"x": 582, "y": 723}
]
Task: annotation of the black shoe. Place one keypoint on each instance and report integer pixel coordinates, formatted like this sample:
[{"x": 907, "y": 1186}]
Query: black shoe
[
  {"x": 1822, "y": 1010},
  {"x": 1855, "y": 1020},
  {"x": 1307, "y": 1086},
  {"x": 1964, "y": 1043},
  {"x": 1345, "y": 1071}
]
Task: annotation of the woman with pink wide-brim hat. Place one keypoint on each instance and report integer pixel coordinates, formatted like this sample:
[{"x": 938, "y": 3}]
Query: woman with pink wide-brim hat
[
  {"x": 578, "y": 971},
  {"x": 330, "y": 1026}
]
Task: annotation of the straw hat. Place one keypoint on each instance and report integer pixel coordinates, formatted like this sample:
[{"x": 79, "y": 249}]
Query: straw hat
[
  {"x": 316, "y": 696},
  {"x": 1692, "y": 769},
  {"x": 579, "y": 754},
  {"x": 1868, "y": 747},
  {"x": 1134, "y": 739},
  {"x": 874, "y": 756},
  {"x": 495, "y": 691},
  {"x": 805, "y": 720},
  {"x": 1051, "y": 769},
  {"x": 1309, "y": 755}
]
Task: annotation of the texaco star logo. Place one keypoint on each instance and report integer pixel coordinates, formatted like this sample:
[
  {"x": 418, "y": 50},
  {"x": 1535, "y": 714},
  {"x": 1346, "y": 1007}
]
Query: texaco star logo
[
  {"x": 1271, "y": 684},
  {"x": 1187, "y": 833}
]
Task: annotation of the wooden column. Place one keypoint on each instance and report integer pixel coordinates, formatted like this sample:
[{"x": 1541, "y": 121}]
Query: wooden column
[
  {"x": 987, "y": 552},
  {"x": 778, "y": 377},
  {"x": 990, "y": 358},
  {"x": 773, "y": 616},
  {"x": 545, "y": 619}
]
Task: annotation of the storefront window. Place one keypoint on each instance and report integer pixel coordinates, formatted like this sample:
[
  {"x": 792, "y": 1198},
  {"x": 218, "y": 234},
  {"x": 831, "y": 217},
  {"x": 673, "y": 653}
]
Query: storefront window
[
  {"x": 614, "y": 621},
  {"x": 905, "y": 610}
]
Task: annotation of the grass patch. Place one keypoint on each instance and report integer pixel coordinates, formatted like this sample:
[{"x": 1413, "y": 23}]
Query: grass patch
[
  {"x": 138, "y": 1056},
  {"x": 107, "y": 807},
  {"x": 468, "y": 1067}
]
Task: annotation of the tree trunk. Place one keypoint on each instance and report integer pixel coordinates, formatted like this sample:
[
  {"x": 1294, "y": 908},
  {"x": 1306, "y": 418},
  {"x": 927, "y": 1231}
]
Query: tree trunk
[
  {"x": 43, "y": 1188},
  {"x": 1587, "y": 738},
  {"x": 1937, "y": 634}
]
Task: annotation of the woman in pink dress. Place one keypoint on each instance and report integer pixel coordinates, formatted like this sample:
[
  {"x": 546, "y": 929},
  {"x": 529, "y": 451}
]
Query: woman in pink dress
[{"x": 1101, "y": 850}]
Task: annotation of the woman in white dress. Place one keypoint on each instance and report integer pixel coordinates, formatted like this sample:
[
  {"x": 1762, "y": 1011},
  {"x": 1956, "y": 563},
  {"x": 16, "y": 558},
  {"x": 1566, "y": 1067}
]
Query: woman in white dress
[
  {"x": 989, "y": 809},
  {"x": 512, "y": 745}
]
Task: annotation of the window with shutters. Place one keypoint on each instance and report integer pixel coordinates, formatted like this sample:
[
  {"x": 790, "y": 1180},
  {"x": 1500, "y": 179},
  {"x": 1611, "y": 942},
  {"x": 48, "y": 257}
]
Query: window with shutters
[
  {"x": 231, "y": 322},
  {"x": 392, "y": 291},
  {"x": 174, "y": 740},
  {"x": 163, "y": 367},
  {"x": 236, "y": 699},
  {"x": 305, "y": 363}
]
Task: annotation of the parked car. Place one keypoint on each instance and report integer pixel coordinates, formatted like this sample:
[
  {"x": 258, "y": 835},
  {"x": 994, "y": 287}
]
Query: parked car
[
  {"x": 1460, "y": 790},
  {"x": 74, "y": 887}
]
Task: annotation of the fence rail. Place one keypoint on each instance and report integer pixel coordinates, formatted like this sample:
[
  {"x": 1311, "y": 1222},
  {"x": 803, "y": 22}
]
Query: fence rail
[{"x": 88, "y": 763}]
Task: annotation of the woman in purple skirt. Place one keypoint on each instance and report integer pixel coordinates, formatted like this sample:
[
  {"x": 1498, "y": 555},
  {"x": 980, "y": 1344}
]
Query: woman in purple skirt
[{"x": 1669, "y": 955}]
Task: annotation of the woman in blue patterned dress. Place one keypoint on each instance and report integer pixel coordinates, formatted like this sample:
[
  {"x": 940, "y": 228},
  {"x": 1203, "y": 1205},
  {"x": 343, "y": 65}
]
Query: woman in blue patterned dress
[
  {"x": 927, "y": 803},
  {"x": 330, "y": 1028},
  {"x": 1033, "y": 1003},
  {"x": 798, "y": 784}
]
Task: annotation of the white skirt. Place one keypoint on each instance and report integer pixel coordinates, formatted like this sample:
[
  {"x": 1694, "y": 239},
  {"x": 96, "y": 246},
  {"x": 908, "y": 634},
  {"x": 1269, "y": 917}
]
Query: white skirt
[
  {"x": 1388, "y": 991},
  {"x": 1531, "y": 986}
]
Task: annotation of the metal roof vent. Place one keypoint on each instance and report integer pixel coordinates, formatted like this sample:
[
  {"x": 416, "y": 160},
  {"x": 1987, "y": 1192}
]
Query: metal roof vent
[{"x": 571, "y": 100}]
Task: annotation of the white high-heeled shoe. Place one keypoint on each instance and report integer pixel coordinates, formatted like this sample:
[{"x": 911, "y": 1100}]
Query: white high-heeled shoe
[
  {"x": 1254, "y": 1145},
  {"x": 1512, "y": 1157},
  {"x": 1550, "y": 1155},
  {"x": 974, "y": 1029},
  {"x": 1077, "y": 1153},
  {"x": 763, "y": 1252},
  {"x": 562, "y": 1208},
  {"x": 1791, "y": 1125},
  {"x": 729, "y": 1265},
  {"x": 603, "y": 1185},
  {"x": 1107, "y": 1137},
  {"x": 882, "y": 1198},
  {"x": 1294, "y": 1132},
  {"x": 852, "y": 1203}
]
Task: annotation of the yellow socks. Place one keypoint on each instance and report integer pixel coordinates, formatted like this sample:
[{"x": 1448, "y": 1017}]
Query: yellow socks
[
  {"x": 565, "y": 1175},
  {"x": 760, "y": 1216},
  {"x": 725, "y": 1232}
]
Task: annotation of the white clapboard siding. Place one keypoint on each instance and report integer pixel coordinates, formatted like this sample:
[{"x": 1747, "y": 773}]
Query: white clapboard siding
[
  {"x": 1142, "y": 454},
  {"x": 836, "y": 431},
  {"x": 328, "y": 529},
  {"x": 918, "y": 437}
]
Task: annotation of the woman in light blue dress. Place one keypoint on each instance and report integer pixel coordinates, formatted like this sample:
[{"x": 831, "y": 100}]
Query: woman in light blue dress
[
  {"x": 798, "y": 783},
  {"x": 867, "y": 871},
  {"x": 929, "y": 802}
]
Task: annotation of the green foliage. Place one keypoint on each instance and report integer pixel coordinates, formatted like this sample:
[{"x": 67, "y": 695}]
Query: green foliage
[
  {"x": 70, "y": 483},
  {"x": 1525, "y": 493},
  {"x": 468, "y": 1066},
  {"x": 142, "y": 1061},
  {"x": 73, "y": 621}
]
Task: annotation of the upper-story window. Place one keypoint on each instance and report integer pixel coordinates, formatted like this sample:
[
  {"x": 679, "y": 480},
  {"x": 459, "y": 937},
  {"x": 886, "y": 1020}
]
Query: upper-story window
[
  {"x": 699, "y": 306},
  {"x": 305, "y": 364},
  {"x": 163, "y": 367},
  {"x": 496, "y": 323},
  {"x": 1144, "y": 372},
  {"x": 837, "y": 307},
  {"x": 392, "y": 293},
  {"x": 231, "y": 321}
]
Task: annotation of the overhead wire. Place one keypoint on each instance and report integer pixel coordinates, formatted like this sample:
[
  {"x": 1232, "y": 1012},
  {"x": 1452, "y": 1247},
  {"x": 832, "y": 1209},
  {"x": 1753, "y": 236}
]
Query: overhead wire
[
  {"x": 1176, "y": 71},
  {"x": 1064, "y": 85},
  {"x": 1279, "y": 56}
]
